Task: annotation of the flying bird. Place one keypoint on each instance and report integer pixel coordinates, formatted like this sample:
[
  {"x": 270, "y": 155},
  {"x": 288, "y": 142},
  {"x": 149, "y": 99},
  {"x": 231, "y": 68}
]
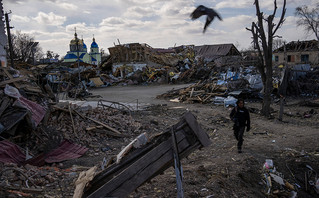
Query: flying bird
[{"x": 202, "y": 10}]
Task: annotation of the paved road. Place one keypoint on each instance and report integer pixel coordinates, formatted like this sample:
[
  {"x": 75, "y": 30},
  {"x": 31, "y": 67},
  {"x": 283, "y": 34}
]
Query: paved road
[{"x": 131, "y": 94}]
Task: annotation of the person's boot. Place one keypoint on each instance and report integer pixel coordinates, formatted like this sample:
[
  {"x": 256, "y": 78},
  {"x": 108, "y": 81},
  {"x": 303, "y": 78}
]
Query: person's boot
[{"x": 239, "y": 150}]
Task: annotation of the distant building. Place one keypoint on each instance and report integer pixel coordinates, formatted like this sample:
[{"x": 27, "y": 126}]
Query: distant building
[
  {"x": 220, "y": 54},
  {"x": 78, "y": 50},
  {"x": 298, "y": 52},
  {"x": 3, "y": 39}
]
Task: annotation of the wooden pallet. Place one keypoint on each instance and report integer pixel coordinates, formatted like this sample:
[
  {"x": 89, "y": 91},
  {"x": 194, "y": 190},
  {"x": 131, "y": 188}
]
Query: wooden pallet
[{"x": 143, "y": 164}]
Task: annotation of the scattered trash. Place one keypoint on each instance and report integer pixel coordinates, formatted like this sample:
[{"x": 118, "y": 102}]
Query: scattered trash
[{"x": 275, "y": 181}]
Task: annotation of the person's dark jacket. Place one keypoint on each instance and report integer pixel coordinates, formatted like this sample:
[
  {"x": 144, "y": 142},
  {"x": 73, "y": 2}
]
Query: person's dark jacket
[{"x": 241, "y": 117}]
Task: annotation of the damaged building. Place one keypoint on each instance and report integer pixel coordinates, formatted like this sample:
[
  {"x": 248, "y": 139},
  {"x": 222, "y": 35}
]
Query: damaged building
[
  {"x": 142, "y": 54},
  {"x": 220, "y": 54},
  {"x": 298, "y": 52}
]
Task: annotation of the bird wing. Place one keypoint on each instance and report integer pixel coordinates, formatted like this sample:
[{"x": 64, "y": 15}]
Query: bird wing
[
  {"x": 208, "y": 21},
  {"x": 212, "y": 13},
  {"x": 198, "y": 12}
]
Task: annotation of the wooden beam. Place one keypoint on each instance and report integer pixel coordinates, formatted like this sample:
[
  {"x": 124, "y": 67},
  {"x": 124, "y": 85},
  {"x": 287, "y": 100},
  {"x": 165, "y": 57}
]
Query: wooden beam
[
  {"x": 98, "y": 122},
  {"x": 12, "y": 80},
  {"x": 10, "y": 77},
  {"x": 201, "y": 135},
  {"x": 130, "y": 179}
]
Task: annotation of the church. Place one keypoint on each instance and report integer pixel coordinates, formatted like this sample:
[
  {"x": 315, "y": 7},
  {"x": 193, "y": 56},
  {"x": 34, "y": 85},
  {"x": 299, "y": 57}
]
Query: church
[{"x": 78, "y": 48}]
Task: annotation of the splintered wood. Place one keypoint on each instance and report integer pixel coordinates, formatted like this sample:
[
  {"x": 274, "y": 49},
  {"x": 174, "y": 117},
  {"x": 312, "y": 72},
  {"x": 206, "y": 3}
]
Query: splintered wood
[{"x": 201, "y": 92}]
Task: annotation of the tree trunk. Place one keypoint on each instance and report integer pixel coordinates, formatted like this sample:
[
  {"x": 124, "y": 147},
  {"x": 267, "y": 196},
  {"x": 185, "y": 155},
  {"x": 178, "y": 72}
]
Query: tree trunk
[
  {"x": 260, "y": 37},
  {"x": 268, "y": 87}
]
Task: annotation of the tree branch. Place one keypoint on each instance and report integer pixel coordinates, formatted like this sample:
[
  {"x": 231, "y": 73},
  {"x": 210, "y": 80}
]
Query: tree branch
[
  {"x": 275, "y": 8},
  {"x": 282, "y": 18}
]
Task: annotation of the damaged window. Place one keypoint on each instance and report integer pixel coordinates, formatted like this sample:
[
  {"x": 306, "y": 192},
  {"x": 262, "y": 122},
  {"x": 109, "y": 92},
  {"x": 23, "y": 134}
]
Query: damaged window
[
  {"x": 304, "y": 58},
  {"x": 291, "y": 58}
]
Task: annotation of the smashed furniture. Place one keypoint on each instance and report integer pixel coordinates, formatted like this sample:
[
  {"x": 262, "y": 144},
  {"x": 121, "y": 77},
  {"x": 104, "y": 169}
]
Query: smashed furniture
[{"x": 142, "y": 164}]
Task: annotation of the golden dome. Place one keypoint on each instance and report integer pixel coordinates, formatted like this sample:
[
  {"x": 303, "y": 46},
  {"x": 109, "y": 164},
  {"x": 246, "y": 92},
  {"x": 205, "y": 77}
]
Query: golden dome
[{"x": 75, "y": 40}]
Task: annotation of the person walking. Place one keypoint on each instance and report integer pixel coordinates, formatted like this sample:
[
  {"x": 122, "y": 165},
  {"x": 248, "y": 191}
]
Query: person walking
[{"x": 241, "y": 118}]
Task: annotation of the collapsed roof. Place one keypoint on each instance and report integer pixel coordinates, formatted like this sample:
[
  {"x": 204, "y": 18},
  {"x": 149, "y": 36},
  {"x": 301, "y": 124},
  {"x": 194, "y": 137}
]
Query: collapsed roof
[
  {"x": 297, "y": 46},
  {"x": 212, "y": 52}
]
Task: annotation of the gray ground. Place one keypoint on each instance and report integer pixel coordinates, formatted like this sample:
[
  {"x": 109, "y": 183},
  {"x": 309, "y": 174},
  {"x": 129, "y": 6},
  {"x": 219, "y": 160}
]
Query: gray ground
[
  {"x": 218, "y": 170},
  {"x": 132, "y": 94}
]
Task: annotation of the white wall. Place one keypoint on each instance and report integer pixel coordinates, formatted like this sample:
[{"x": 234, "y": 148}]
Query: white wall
[{"x": 3, "y": 38}]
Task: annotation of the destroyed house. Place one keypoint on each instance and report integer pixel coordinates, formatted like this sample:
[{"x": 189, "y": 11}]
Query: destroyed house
[
  {"x": 135, "y": 56},
  {"x": 210, "y": 53},
  {"x": 132, "y": 52},
  {"x": 298, "y": 52},
  {"x": 142, "y": 52}
]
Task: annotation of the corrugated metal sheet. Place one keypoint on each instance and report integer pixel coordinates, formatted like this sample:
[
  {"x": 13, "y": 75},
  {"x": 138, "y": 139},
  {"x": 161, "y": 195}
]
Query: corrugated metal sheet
[
  {"x": 67, "y": 150},
  {"x": 10, "y": 153}
]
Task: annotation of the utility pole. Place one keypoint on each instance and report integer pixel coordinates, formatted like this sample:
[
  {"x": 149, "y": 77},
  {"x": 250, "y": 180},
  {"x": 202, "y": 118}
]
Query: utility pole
[
  {"x": 78, "y": 63},
  {"x": 9, "y": 36}
]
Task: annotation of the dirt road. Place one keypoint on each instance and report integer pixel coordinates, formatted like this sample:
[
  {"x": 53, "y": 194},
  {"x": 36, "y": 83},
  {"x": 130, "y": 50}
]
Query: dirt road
[
  {"x": 132, "y": 94},
  {"x": 219, "y": 171}
]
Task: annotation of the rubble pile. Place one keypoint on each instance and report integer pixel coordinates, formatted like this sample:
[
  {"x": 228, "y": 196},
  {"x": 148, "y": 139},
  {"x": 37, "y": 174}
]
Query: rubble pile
[
  {"x": 89, "y": 126},
  {"x": 199, "y": 92},
  {"x": 33, "y": 181},
  {"x": 305, "y": 85},
  {"x": 40, "y": 137},
  {"x": 206, "y": 91}
]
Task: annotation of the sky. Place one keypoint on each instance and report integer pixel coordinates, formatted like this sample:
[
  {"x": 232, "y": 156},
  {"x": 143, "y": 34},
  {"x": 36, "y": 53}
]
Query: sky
[{"x": 158, "y": 23}]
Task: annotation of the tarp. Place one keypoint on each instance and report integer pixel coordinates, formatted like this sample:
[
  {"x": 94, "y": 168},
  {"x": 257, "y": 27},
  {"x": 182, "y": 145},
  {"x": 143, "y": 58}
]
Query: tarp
[
  {"x": 300, "y": 71},
  {"x": 10, "y": 153},
  {"x": 67, "y": 150}
]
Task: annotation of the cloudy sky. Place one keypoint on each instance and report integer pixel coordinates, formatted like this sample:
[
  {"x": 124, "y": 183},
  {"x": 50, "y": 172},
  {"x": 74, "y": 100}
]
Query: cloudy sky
[{"x": 159, "y": 23}]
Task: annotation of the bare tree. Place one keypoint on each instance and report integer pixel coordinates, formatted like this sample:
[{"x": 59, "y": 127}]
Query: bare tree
[
  {"x": 309, "y": 19},
  {"x": 51, "y": 54},
  {"x": 25, "y": 47},
  {"x": 263, "y": 42}
]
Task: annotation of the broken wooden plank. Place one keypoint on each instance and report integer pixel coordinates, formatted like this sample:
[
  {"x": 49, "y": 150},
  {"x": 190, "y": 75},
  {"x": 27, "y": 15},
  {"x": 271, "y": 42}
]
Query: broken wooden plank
[
  {"x": 70, "y": 111},
  {"x": 13, "y": 80},
  {"x": 138, "y": 179},
  {"x": 201, "y": 135},
  {"x": 151, "y": 161},
  {"x": 106, "y": 126},
  {"x": 191, "y": 94},
  {"x": 93, "y": 128},
  {"x": 98, "y": 122},
  {"x": 121, "y": 179},
  {"x": 11, "y": 77},
  {"x": 23, "y": 189},
  {"x": 209, "y": 96}
]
